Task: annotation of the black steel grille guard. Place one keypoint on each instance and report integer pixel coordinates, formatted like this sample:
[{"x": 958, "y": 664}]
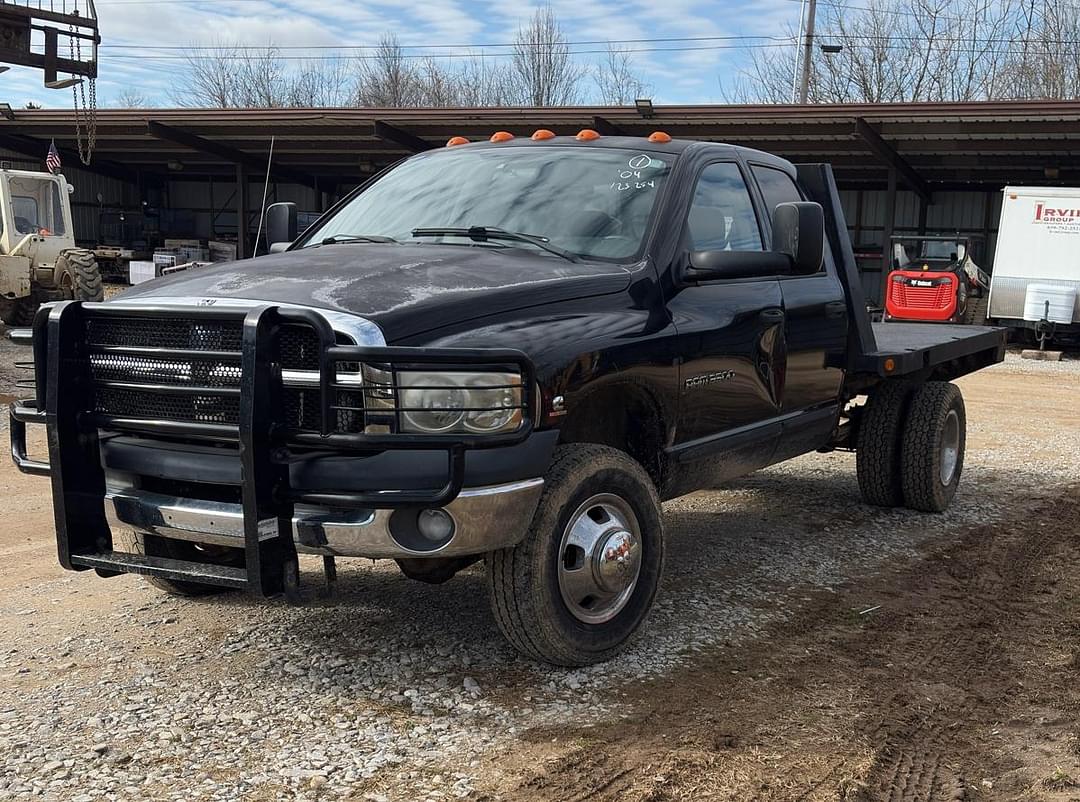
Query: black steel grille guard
[{"x": 65, "y": 392}]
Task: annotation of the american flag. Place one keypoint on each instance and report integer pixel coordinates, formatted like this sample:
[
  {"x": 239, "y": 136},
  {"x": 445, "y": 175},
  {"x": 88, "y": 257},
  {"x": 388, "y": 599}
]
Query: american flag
[{"x": 52, "y": 161}]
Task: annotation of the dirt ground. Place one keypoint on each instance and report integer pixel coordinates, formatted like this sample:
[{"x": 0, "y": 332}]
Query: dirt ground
[
  {"x": 948, "y": 668},
  {"x": 954, "y": 677}
]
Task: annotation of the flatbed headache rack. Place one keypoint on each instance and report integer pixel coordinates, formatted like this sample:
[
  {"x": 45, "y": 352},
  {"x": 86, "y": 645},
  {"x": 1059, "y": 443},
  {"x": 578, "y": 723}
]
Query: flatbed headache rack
[
  {"x": 267, "y": 446},
  {"x": 876, "y": 351}
]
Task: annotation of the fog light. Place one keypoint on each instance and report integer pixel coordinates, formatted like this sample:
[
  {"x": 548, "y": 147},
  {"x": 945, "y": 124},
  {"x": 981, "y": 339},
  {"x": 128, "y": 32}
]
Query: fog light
[{"x": 435, "y": 525}]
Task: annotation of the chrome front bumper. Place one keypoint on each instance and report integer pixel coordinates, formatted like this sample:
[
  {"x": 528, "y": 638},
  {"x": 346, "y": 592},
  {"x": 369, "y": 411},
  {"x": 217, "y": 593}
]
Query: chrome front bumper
[{"x": 485, "y": 518}]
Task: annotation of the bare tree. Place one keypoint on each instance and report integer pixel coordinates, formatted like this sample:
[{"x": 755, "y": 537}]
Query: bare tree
[
  {"x": 235, "y": 76},
  {"x": 543, "y": 70},
  {"x": 1047, "y": 62},
  {"x": 616, "y": 80},
  {"x": 322, "y": 83},
  {"x": 928, "y": 50},
  {"x": 484, "y": 81},
  {"x": 130, "y": 98},
  {"x": 387, "y": 78},
  {"x": 212, "y": 79}
]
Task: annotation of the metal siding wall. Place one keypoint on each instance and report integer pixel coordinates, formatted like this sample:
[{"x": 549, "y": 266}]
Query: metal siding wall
[
  {"x": 956, "y": 211},
  {"x": 215, "y": 212},
  {"x": 849, "y": 201},
  {"x": 951, "y": 212}
]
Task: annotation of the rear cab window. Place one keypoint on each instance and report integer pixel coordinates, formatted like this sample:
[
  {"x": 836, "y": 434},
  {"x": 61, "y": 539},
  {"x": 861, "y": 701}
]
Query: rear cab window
[{"x": 776, "y": 186}]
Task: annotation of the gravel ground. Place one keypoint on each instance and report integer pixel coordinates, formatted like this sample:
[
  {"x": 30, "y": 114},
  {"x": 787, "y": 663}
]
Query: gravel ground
[{"x": 397, "y": 690}]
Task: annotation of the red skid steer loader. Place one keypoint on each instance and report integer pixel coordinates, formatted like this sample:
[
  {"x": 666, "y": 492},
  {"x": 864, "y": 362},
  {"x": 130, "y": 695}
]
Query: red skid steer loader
[{"x": 941, "y": 285}]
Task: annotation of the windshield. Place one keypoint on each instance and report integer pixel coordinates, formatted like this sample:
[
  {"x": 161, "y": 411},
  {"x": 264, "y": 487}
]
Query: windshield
[
  {"x": 36, "y": 206},
  {"x": 940, "y": 250},
  {"x": 594, "y": 202}
]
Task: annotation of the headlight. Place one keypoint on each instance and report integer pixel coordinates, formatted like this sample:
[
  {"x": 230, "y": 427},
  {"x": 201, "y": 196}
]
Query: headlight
[{"x": 477, "y": 403}]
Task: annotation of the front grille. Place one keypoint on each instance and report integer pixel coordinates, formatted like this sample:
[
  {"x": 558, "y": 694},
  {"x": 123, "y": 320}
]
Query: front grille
[
  {"x": 207, "y": 356},
  {"x": 174, "y": 333},
  {"x": 145, "y": 404},
  {"x": 922, "y": 297}
]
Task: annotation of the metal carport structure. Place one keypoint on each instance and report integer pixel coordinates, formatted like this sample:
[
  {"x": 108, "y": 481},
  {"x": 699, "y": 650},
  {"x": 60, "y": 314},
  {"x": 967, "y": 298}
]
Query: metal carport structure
[{"x": 910, "y": 164}]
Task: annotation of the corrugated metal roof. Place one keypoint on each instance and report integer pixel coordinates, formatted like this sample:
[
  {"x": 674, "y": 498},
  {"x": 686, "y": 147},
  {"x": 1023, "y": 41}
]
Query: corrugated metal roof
[{"x": 987, "y": 143}]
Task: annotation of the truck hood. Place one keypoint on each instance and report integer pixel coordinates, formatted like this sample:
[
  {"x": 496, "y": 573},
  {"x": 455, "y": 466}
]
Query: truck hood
[{"x": 405, "y": 289}]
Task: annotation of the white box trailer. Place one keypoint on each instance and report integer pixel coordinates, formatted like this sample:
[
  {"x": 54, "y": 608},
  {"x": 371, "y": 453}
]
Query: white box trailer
[{"x": 1036, "y": 275}]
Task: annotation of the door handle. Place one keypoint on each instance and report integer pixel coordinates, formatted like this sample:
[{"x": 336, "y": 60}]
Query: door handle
[
  {"x": 835, "y": 309},
  {"x": 772, "y": 317}
]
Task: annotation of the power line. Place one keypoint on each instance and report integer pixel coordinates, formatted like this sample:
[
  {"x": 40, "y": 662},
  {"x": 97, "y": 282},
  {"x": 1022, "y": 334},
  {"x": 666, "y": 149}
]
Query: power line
[
  {"x": 466, "y": 55},
  {"x": 480, "y": 45}
]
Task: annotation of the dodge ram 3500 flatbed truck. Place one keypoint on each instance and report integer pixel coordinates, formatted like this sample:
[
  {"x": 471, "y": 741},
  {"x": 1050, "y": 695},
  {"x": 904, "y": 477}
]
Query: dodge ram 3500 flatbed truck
[{"x": 509, "y": 351}]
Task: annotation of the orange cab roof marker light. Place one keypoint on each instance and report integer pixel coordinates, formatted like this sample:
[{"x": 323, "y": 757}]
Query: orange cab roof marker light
[
  {"x": 542, "y": 134},
  {"x": 501, "y": 136},
  {"x": 587, "y": 135},
  {"x": 659, "y": 137},
  {"x": 457, "y": 140}
]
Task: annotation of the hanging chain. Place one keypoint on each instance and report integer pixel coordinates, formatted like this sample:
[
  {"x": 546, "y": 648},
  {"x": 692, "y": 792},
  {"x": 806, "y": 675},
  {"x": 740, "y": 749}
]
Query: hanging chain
[{"x": 87, "y": 116}]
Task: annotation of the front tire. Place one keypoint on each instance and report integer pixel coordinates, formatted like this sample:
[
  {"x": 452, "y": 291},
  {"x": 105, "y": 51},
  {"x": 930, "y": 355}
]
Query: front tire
[
  {"x": 80, "y": 276},
  {"x": 584, "y": 578},
  {"x": 933, "y": 448}
]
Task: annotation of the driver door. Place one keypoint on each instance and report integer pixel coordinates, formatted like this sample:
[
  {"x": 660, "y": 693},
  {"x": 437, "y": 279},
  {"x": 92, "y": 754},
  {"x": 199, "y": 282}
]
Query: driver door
[{"x": 731, "y": 337}]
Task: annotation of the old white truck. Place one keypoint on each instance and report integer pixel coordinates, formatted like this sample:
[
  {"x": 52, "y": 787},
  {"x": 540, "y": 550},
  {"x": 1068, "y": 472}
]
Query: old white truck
[{"x": 39, "y": 260}]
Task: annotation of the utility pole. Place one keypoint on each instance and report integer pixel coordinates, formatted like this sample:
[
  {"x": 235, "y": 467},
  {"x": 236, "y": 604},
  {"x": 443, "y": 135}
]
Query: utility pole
[
  {"x": 795, "y": 71},
  {"x": 808, "y": 51}
]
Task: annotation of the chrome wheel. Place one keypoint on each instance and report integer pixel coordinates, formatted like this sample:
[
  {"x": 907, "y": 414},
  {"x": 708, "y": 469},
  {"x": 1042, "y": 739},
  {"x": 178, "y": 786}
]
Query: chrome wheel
[
  {"x": 599, "y": 559},
  {"x": 950, "y": 446}
]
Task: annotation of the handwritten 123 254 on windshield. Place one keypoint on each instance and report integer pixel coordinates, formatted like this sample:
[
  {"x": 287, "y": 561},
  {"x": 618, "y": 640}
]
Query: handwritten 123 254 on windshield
[{"x": 636, "y": 174}]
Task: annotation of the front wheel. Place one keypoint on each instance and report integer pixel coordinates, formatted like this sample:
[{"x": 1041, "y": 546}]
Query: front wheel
[
  {"x": 583, "y": 580},
  {"x": 80, "y": 276}
]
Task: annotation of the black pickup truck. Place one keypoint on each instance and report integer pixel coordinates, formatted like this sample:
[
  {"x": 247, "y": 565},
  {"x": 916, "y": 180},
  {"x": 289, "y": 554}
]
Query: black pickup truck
[{"x": 509, "y": 351}]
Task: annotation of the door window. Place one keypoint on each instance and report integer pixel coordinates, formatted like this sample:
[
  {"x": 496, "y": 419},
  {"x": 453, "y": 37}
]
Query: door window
[
  {"x": 776, "y": 186},
  {"x": 722, "y": 215}
]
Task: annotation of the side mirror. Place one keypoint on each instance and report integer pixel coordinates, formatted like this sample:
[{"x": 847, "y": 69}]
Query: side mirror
[
  {"x": 280, "y": 225},
  {"x": 799, "y": 232},
  {"x": 798, "y": 248},
  {"x": 711, "y": 265}
]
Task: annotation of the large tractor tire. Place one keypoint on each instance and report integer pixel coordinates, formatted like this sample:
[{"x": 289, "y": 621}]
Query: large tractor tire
[
  {"x": 79, "y": 276},
  {"x": 577, "y": 588},
  {"x": 877, "y": 450},
  {"x": 18, "y": 313},
  {"x": 933, "y": 448}
]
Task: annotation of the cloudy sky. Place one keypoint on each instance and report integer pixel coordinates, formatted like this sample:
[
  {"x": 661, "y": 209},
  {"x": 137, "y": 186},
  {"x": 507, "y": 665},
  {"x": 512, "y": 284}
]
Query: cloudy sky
[{"x": 686, "y": 55}]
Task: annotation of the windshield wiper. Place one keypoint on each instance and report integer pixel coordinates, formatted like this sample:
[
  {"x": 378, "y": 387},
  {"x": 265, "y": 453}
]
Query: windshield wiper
[
  {"x": 338, "y": 238},
  {"x": 486, "y": 233}
]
